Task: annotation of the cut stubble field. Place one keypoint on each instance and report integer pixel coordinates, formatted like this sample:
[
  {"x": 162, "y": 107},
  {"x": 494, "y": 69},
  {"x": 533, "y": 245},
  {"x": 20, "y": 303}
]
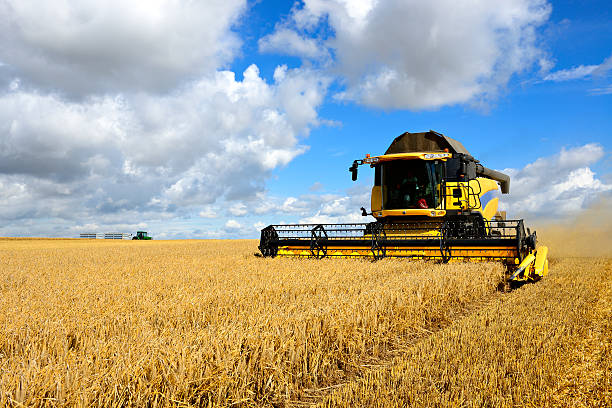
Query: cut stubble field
[{"x": 206, "y": 323}]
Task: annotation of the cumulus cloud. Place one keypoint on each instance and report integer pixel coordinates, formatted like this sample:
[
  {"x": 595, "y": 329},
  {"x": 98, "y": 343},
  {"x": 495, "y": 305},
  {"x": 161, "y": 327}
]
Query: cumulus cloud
[
  {"x": 237, "y": 229},
  {"x": 317, "y": 208},
  {"x": 208, "y": 212},
  {"x": 238, "y": 210},
  {"x": 419, "y": 55},
  {"x": 78, "y": 47},
  {"x": 292, "y": 44},
  {"x": 216, "y": 139},
  {"x": 232, "y": 225},
  {"x": 556, "y": 186},
  {"x": 114, "y": 112},
  {"x": 259, "y": 226},
  {"x": 321, "y": 218}
]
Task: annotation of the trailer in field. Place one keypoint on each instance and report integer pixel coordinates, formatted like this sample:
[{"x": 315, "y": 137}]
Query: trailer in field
[{"x": 106, "y": 235}]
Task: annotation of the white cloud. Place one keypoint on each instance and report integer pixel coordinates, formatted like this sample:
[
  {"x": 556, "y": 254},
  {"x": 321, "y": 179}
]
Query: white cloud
[
  {"x": 114, "y": 113},
  {"x": 294, "y": 205},
  {"x": 232, "y": 225},
  {"x": 208, "y": 212},
  {"x": 341, "y": 208},
  {"x": 238, "y": 210},
  {"x": 291, "y": 43},
  {"x": 581, "y": 71},
  {"x": 44, "y": 136},
  {"x": 318, "y": 208},
  {"x": 216, "y": 139},
  {"x": 82, "y": 46},
  {"x": 607, "y": 90},
  {"x": 604, "y": 67},
  {"x": 348, "y": 218},
  {"x": 418, "y": 55},
  {"x": 558, "y": 185},
  {"x": 336, "y": 207}
]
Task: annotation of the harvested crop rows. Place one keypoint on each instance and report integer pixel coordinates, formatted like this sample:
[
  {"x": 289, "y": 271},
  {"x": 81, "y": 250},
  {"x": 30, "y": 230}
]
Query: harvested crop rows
[{"x": 205, "y": 323}]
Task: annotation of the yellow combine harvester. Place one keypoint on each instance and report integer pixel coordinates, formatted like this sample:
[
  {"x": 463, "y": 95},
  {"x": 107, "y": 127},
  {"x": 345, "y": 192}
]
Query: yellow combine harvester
[{"x": 431, "y": 200}]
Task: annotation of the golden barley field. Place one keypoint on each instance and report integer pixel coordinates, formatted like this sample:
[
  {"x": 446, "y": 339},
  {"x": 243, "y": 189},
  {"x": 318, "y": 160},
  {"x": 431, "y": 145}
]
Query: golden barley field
[{"x": 206, "y": 323}]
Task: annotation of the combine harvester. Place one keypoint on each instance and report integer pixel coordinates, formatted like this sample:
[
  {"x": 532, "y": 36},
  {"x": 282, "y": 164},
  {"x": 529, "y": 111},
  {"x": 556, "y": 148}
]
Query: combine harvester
[{"x": 431, "y": 200}]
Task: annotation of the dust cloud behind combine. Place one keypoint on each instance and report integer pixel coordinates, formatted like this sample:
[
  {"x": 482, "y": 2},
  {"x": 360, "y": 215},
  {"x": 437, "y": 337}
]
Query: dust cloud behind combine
[{"x": 587, "y": 235}]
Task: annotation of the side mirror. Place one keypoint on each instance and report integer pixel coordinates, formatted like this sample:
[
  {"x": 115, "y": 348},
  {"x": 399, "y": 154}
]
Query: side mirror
[{"x": 353, "y": 170}]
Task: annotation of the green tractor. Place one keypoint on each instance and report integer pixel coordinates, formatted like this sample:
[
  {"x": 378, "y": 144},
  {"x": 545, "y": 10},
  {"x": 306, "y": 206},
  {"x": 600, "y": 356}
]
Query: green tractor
[{"x": 141, "y": 235}]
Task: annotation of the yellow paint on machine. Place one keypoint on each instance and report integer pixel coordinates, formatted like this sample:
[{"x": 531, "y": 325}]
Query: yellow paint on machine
[
  {"x": 491, "y": 208},
  {"x": 458, "y": 196},
  {"x": 376, "y": 199},
  {"x": 533, "y": 267},
  {"x": 541, "y": 261},
  {"x": 507, "y": 253}
]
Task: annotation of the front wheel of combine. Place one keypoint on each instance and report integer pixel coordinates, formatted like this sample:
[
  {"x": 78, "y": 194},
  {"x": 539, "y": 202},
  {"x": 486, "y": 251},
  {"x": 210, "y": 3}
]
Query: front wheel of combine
[{"x": 269, "y": 242}]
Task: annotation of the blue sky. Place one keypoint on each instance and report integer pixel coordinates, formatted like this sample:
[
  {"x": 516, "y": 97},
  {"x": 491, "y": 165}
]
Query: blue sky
[{"x": 212, "y": 121}]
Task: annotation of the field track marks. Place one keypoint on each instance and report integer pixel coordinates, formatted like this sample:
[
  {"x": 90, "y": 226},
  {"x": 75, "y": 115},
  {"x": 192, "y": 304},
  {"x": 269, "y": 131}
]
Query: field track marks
[
  {"x": 512, "y": 352},
  {"x": 313, "y": 397}
]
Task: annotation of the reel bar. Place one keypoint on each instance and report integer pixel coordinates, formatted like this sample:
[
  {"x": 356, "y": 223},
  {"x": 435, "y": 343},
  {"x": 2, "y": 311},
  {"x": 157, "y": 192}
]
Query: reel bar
[
  {"x": 437, "y": 239},
  {"x": 389, "y": 242}
]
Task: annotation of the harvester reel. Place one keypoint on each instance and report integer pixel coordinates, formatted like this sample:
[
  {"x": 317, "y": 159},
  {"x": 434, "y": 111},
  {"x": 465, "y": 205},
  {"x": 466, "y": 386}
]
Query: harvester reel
[
  {"x": 378, "y": 236},
  {"x": 269, "y": 242},
  {"x": 468, "y": 228},
  {"x": 318, "y": 242}
]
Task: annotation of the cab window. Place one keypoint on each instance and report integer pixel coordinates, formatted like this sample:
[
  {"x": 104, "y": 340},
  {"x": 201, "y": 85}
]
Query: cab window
[{"x": 410, "y": 184}]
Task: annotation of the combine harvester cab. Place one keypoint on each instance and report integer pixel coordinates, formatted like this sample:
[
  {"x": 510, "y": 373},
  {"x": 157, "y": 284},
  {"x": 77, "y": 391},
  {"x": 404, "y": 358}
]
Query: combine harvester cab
[{"x": 431, "y": 200}]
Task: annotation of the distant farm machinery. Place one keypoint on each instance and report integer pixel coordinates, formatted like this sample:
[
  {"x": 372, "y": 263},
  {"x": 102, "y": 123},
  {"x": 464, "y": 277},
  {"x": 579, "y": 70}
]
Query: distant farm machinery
[{"x": 141, "y": 235}]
